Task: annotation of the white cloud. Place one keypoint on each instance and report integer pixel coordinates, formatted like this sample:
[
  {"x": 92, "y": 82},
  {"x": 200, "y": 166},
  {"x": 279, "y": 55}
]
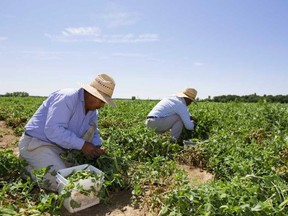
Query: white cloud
[
  {"x": 130, "y": 38},
  {"x": 94, "y": 34},
  {"x": 120, "y": 18},
  {"x": 81, "y": 31}
]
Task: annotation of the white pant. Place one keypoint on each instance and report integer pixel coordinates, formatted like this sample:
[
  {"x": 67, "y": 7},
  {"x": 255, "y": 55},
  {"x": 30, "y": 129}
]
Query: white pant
[
  {"x": 160, "y": 125},
  {"x": 40, "y": 154}
]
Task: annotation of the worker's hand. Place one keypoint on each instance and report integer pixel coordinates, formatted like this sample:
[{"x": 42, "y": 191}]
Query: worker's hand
[
  {"x": 194, "y": 120},
  {"x": 91, "y": 151}
]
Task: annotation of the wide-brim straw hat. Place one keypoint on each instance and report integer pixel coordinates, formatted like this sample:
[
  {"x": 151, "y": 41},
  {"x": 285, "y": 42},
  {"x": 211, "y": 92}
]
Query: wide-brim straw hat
[
  {"x": 101, "y": 87},
  {"x": 190, "y": 93}
]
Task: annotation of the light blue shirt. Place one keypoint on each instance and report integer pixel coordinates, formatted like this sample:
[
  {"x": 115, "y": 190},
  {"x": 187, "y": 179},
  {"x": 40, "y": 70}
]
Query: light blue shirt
[
  {"x": 61, "y": 119},
  {"x": 170, "y": 106}
]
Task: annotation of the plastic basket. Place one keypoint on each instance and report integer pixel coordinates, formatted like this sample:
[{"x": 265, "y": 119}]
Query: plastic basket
[
  {"x": 84, "y": 201},
  {"x": 188, "y": 144}
]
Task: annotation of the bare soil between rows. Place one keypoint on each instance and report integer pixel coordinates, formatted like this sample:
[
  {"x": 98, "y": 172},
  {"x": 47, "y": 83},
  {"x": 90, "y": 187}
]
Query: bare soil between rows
[{"x": 120, "y": 203}]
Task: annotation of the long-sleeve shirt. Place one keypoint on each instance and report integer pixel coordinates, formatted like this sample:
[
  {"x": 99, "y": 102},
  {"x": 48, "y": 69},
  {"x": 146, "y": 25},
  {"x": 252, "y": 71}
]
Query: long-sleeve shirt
[
  {"x": 61, "y": 119},
  {"x": 170, "y": 106}
]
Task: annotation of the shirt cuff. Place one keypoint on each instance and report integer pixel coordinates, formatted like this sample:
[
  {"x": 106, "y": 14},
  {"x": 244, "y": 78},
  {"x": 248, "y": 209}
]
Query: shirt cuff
[{"x": 78, "y": 144}]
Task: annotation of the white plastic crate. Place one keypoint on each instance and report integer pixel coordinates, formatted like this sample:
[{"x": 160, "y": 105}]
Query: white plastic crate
[
  {"x": 189, "y": 144},
  {"x": 85, "y": 201}
]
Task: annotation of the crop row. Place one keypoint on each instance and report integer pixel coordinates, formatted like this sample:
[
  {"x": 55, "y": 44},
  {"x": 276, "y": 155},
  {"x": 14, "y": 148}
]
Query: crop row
[{"x": 243, "y": 145}]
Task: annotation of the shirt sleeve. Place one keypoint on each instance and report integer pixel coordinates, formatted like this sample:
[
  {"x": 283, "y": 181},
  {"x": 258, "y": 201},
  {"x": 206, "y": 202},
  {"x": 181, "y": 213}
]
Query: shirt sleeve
[
  {"x": 184, "y": 114},
  {"x": 56, "y": 125},
  {"x": 97, "y": 141}
]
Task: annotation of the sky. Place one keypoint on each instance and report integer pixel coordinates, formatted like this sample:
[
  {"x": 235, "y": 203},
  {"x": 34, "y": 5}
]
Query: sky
[{"x": 151, "y": 48}]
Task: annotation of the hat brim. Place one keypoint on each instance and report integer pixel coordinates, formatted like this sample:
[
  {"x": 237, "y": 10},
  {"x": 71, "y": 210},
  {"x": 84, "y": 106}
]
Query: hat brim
[
  {"x": 181, "y": 94},
  {"x": 98, "y": 94}
]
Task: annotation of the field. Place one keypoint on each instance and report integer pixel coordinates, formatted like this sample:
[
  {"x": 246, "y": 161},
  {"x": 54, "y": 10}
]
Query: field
[{"x": 243, "y": 145}]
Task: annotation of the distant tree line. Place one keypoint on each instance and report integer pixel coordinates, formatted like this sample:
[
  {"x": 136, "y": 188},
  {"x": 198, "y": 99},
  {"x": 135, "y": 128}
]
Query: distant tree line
[
  {"x": 222, "y": 99},
  {"x": 249, "y": 98},
  {"x": 16, "y": 94}
]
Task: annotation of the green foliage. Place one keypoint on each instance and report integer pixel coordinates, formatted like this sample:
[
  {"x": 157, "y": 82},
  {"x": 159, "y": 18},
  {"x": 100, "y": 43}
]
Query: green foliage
[
  {"x": 16, "y": 94},
  {"x": 248, "y": 195},
  {"x": 20, "y": 196},
  {"x": 244, "y": 145},
  {"x": 250, "y": 98},
  {"x": 16, "y": 111},
  {"x": 10, "y": 166}
]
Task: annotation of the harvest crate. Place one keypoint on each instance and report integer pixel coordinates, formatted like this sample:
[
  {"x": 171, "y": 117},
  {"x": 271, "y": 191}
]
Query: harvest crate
[
  {"x": 188, "y": 144},
  {"x": 82, "y": 193}
]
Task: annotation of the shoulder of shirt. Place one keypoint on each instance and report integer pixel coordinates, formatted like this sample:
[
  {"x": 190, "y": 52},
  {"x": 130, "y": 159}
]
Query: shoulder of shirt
[
  {"x": 171, "y": 97},
  {"x": 68, "y": 91},
  {"x": 68, "y": 94},
  {"x": 175, "y": 97},
  {"x": 180, "y": 100}
]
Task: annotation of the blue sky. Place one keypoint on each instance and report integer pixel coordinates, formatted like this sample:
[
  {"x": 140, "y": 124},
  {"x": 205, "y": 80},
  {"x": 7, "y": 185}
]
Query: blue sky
[{"x": 152, "y": 48}]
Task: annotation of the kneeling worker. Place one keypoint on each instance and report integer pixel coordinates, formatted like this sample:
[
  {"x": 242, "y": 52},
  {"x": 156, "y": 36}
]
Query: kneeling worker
[
  {"x": 172, "y": 113},
  {"x": 67, "y": 119}
]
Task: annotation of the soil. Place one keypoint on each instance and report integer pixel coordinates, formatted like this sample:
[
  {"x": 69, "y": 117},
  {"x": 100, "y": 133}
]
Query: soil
[
  {"x": 196, "y": 175},
  {"x": 7, "y": 138},
  {"x": 119, "y": 205},
  {"x": 120, "y": 202}
]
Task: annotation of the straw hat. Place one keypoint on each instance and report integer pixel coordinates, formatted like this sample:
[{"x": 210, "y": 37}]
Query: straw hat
[
  {"x": 101, "y": 87},
  {"x": 188, "y": 93}
]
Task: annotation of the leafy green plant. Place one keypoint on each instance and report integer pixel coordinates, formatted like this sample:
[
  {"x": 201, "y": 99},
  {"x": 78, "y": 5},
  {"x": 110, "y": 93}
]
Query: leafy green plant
[
  {"x": 10, "y": 166},
  {"x": 243, "y": 145}
]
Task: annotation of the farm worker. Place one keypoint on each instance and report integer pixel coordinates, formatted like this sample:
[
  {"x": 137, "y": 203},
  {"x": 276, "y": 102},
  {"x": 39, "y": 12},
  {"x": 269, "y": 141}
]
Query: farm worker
[
  {"x": 67, "y": 119},
  {"x": 171, "y": 113}
]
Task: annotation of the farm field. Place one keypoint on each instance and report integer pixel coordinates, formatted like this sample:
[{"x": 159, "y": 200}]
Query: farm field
[{"x": 244, "y": 146}]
